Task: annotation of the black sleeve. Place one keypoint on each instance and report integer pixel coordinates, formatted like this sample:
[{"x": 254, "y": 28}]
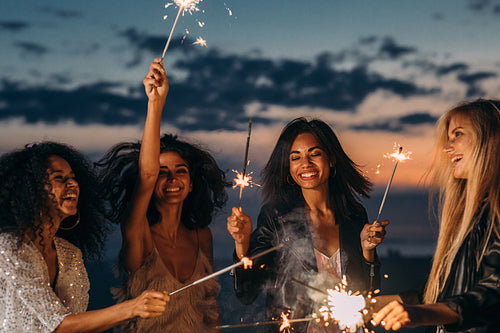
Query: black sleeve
[
  {"x": 481, "y": 304},
  {"x": 248, "y": 283}
]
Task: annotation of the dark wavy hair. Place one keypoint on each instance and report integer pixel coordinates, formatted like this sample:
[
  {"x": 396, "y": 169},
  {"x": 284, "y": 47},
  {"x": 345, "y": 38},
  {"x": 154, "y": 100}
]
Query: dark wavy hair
[
  {"x": 346, "y": 183},
  {"x": 24, "y": 196},
  {"x": 120, "y": 171}
]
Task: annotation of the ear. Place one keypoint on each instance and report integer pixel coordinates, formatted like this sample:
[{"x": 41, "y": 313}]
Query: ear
[{"x": 190, "y": 186}]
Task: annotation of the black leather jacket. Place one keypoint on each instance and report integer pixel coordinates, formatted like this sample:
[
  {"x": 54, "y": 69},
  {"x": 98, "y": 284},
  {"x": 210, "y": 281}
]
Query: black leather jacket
[
  {"x": 472, "y": 291},
  {"x": 296, "y": 260}
]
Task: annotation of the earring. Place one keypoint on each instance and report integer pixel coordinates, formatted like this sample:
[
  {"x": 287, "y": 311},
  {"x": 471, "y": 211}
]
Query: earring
[
  {"x": 74, "y": 225},
  {"x": 290, "y": 182}
]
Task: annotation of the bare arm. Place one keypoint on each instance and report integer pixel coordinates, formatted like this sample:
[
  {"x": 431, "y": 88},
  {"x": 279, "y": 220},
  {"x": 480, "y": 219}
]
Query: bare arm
[
  {"x": 148, "y": 305},
  {"x": 137, "y": 241}
]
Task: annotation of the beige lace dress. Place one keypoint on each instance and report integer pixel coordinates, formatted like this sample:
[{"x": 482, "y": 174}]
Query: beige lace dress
[{"x": 193, "y": 310}]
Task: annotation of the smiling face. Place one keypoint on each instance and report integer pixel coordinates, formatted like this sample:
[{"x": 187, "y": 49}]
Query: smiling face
[
  {"x": 174, "y": 183},
  {"x": 460, "y": 144},
  {"x": 309, "y": 164},
  {"x": 64, "y": 189}
]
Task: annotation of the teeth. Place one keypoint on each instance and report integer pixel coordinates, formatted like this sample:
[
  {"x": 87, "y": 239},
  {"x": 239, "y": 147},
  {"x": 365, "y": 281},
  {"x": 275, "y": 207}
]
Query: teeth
[
  {"x": 456, "y": 158},
  {"x": 308, "y": 174},
  {"x": 70, "y": 196},
  {"x": 173, "y": 189}
]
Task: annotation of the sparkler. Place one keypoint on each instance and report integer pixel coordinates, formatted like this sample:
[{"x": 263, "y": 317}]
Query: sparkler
[
  {"x": 242, "y": 179},
  {"x": 398, "y": 157},
  {"x": 184, "y": 5},
  {"x": 244, "y": 261},
  {"x": 263, "y": 323}
]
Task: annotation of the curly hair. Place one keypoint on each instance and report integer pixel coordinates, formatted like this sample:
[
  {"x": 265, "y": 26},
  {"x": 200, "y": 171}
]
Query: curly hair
[
  {"x": 120, "y": 172},
  {"x": 24, "y": 195},
  {"x": 347, "y": 184}
]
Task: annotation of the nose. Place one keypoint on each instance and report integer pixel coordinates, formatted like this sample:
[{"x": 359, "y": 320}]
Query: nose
[
  {"x": 448, "y": 147},
  {"x": 71, "y": 182}
]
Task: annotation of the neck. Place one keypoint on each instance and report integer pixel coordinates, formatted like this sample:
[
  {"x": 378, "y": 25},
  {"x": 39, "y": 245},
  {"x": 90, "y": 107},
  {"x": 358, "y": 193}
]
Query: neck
[
  {"x": 170, "y": 220},
  {"x": 316, "y": 200}
]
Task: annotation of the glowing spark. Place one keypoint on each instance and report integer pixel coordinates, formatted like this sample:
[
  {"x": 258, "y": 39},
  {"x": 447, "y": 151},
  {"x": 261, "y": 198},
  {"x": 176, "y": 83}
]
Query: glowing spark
[
  {"x": 378, "y": 169},
  {"x": 200, "y": 41},
  {"x": 247, "y": 262},
  {"x": 188, "y": 5},
  {"x": 346, "y": 307},
  {"x": 285, "y": 324},
  {"x": 386, "y": 276},
  {"x": 398, "y": 155},
  {"x": 201, "y": 24}
]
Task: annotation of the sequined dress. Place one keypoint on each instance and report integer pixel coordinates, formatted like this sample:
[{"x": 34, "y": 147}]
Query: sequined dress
[
  {"x": 192, "y": 310},
  {"x": 27, "y": 301}
]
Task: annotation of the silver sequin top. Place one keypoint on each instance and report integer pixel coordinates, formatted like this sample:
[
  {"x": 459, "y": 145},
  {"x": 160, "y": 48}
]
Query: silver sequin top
[{"x": 27, "y": 301}]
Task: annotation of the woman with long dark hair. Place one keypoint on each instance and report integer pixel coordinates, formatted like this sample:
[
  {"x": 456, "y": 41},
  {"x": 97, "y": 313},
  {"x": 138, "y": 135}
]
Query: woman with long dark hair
[
  {"x": 462, "y": 293},
  {"x": 164, "y": 193},
  {"x": 311, "y": 192},
  {"x": 52, "y": 212}
]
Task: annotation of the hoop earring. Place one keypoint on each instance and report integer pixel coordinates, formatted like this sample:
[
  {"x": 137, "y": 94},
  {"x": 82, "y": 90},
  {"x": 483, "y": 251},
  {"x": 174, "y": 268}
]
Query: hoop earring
[
  {"x": 290, "y": 182},
  {"x": 74, "y": 225},
  {"x": 334, "y": 172}
]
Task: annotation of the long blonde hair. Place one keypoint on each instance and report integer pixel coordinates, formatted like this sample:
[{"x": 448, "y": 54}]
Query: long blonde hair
[{"x": 460, "y": 199}]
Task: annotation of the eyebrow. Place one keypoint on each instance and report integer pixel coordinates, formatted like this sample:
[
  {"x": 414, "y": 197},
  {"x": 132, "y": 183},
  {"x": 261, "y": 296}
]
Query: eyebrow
[
  {"x": 177, "y": 165},
  {"x": 455, "y": 129},
  {"x": 309, "y": 150}
]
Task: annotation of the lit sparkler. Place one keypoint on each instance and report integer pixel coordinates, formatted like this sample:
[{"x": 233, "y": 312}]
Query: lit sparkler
[
  {"x": 242, "y": 179},
  {"x": 184, "y": 5},
  {"x": 243, "y": 261},
  {"x": 346, "y": 307},
  {"x": 398, "y": 156},
  {"x": 283, "y": 322}
]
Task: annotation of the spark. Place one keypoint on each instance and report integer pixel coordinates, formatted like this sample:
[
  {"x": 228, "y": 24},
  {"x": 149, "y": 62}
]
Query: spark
[
  {"x": 346, "y": 307},
  {"x": 200, "y": 41},
  {"x": 247, "y": 262},
  {"x": 398, "y": 155},
  {"x": 285, "y": 323}
]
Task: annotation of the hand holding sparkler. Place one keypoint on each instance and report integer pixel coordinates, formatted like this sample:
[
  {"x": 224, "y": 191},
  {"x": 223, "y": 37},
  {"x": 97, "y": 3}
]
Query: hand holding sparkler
[
  {"x": 156, "y": 82},
  {"x": 371, "y": 236},
  {"x": 239, "y": 226}
]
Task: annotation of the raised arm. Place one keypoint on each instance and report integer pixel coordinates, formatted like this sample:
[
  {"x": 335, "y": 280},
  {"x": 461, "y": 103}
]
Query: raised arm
[{"x": 137, "y": 241}]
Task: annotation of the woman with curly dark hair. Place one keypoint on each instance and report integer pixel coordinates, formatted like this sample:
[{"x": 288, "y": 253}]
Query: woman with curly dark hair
[
  {"x": 164, "y": 193},
  {"x": 51, "y": 214}
]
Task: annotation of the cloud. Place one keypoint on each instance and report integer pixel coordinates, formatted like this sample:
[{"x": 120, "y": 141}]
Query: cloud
[
  {"x": 62, "y": 13},
  {"x": 13, "y": 26},
  {"x": 31, "y": 49},
  {"x": 484, "y": 6},
  {"x": 473, "y": 80}
]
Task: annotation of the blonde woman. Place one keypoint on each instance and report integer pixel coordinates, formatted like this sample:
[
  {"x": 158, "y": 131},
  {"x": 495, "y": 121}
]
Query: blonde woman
[{"x": 463, "y": 290}]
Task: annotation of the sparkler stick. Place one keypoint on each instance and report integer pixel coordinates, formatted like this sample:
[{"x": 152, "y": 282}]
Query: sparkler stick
[
  {"x": 228, "y": 268},
  {"x": 310, "y": 287},
  {"x": 245, "y": 161},
  {"x": 388, "y": 185},
  {"x": 262, "y": 323},
  {"x": 181, "y": 8}
]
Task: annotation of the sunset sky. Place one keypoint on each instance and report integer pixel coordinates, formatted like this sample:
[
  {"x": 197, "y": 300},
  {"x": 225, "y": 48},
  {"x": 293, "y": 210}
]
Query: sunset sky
[{"x": 379, "y": 72}]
